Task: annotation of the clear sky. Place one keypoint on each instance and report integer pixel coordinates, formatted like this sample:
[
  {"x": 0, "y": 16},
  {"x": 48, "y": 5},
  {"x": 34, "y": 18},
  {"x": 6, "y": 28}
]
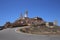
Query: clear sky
[{"x": 10, "y": 10}]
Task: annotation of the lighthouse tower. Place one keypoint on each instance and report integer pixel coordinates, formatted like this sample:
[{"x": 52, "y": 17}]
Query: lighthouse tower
[{"x": 26, "y": 13}]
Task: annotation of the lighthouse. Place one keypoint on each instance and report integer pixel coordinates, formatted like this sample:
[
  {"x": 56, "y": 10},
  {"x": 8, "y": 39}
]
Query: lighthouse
[{"x": 26, "y": 13}]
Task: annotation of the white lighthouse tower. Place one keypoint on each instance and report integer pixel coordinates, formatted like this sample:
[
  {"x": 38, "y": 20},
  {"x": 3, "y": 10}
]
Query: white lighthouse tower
[{"x": 26, "y": 13}]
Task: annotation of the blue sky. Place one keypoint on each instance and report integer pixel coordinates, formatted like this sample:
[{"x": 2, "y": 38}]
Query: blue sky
[{"x": 10, "y": 10}]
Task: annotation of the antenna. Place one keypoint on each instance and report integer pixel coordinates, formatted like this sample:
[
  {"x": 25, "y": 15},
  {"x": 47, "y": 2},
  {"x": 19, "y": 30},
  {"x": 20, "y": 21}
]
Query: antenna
[{"x": 21, "y": 16}]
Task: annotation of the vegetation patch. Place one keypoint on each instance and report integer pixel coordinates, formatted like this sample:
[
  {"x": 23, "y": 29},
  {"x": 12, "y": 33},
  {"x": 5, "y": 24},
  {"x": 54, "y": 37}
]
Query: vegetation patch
[{"x": 36, "y": 29}]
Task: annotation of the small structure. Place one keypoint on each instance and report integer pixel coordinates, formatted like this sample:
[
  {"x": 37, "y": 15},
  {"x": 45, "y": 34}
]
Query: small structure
[{"x": 50, "y": 24}]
